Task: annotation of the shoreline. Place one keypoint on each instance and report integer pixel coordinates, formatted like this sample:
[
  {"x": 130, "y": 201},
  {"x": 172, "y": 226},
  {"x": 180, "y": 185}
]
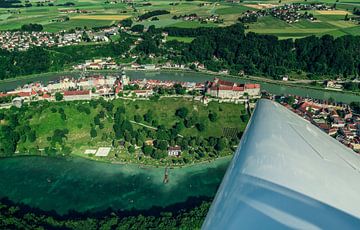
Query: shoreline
[
  {"x": 166, "y": 70},
  {"x": 139, "y": 165}
]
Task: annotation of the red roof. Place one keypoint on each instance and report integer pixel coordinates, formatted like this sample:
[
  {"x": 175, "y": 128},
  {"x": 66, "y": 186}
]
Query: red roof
[
  {"x": 78, "y": 92},
  {"x": 227, "y": 83},
  {"x": 24, "y": 94},
  {"x": 252, "y": 86},
  {"x": 140, "y": 91},
  {"x": 230, "y": 88},
  {"x": 174, "y": 148}
]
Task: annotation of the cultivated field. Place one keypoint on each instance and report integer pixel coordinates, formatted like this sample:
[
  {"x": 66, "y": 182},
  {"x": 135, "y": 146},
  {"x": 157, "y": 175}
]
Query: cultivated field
[
  {"x": 101, "y": 17},
  {"x": 98, "y": 13}
]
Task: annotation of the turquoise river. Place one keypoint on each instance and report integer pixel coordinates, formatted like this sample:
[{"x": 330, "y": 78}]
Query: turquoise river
[{"x": 76, "y": 184}]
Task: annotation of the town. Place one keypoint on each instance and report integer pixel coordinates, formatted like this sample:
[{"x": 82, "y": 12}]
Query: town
[
  {"x": 23, "y": 40},
  {"x": 336, "y": 119},
  {"x": 289, "y": 13},
  {"x": 92, "y": 87}
]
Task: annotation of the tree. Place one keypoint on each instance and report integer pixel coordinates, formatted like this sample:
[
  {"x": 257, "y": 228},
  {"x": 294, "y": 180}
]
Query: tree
[
  {"x": 93, "y": 132},
  {"x": 126, "y": 22},
  {"x": 138, "y": 28},
  {"x": 58, "y": 96},
  {"x": 32, "y": 27},
  {"x": 162, "y": 145},
  {"x": 137, "y": 118},
  {"x": 179, "y": 126},
  {"x": 131, "y": 149},
  {"x": 148, "y": 117},
  {"x": 221, "y": 144},
  {"x": 182, "y": 112},
  {"x": 213, "y": 116},
  {"x": 244, "y": 117},
  {"x": 32, "y": 136},
  {"x": 200, "y": 126},
  {"x": 148, "y": 150},
  {"x": 179, "y": 89},
  {"x": 97, "y": 120},
  {"x": 347, "y": 17}
]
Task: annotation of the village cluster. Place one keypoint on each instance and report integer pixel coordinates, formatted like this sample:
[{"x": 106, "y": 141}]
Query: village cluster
[
  {"x": 337, "y": 120},
  {"x": 87, "y": 88},
  {"x": 194, "y": 17},
  {"x": 22, "y": 40},
  {"x": 289, "y": 13}
]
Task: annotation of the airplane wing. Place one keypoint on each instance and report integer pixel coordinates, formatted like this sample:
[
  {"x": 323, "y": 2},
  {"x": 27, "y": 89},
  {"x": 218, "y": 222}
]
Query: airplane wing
[{"x": 287, "y": 173}]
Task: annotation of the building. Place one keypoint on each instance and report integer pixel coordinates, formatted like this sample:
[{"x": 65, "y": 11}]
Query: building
[
  {"x": 77, "y": 95},
  {"x": 143, "y": 93},
  {"x": 17, "y": 102},
  {"x": 174, "y": 151},
  {"x": 226, "y": 89}
]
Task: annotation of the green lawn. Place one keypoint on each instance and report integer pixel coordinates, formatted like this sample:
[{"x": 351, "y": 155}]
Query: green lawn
[
  {"x": 44, "y": 120},
  {"x": 180, "y": 39}
]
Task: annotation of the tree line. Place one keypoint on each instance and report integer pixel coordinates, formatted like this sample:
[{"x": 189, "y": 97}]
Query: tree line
[
  {"x": 15, "y": 216},
  {"x": 41, "y": 59},
  {"x": 230, "y": 48},
  {"x": 152, "y": 13}
]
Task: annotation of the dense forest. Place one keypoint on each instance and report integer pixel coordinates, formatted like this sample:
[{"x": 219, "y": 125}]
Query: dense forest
[
  {"x": 217, "y": 48},
  {"x": 230, "y": 48},
  {"x": 40, "y": 60},
  {"x": 9, "y": 3},
  {"x": 13, "y": 216}
]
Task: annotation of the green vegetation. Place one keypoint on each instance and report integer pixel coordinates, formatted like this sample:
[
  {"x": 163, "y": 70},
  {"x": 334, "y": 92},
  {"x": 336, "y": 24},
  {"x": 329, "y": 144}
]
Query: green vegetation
[
  {"x": 180, "y": 39},
  {"x": 139, "y": 131},
  {"x": 256, "y": 54},
  {"x": 41, "y": 60},
  {"x": 14, "y": 14},
  {"x": 14, "y": 216},
  {"x": 217, "y": 48},
  {"x": 32, "y": 27},
  {"x": 152, "y": 14}
]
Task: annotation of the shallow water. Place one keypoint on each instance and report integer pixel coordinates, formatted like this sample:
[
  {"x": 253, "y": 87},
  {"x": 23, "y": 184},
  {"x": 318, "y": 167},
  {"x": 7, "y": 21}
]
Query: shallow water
[{"x": 82, "y": 185}]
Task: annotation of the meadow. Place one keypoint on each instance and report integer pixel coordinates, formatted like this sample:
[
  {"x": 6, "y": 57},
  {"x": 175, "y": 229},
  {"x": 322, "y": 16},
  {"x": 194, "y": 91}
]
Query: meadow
[
  {"x": 44, "y": 120},
  {"x": 101, "y": 14}
]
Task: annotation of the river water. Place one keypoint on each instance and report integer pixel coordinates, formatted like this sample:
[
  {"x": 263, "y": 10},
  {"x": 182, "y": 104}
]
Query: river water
[
  {"x": 64, "y": 184},
  {"x": 198, "y": 77}
]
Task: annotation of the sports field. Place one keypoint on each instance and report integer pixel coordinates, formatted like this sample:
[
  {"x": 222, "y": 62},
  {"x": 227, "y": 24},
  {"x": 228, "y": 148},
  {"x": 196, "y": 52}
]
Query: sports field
[{"x": 96, "y": 13}]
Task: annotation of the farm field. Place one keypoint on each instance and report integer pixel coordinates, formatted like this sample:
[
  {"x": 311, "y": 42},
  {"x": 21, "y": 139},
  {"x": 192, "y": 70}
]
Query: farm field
[{"x": 98, "y": 13}]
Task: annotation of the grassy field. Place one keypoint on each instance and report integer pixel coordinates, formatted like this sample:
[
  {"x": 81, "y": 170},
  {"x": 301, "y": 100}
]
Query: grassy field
[
  {"x": 101, "y": 14},
  {"x": 180, "y": 39},
  {"x": 47, "y": 119}
]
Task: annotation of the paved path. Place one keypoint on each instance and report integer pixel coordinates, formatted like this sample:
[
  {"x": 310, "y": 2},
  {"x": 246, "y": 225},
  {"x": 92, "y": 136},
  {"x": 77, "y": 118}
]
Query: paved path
[{"x": 148, "y": 126}]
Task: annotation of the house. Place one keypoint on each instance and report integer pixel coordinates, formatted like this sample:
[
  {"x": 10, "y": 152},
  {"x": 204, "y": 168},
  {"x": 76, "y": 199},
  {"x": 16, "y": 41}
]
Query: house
[
  {"x": 334, "y": 85},
  {"x": 77, "y": 95},
  {"x": 143, "y": 93},
  {"x": 174, "y": 151}
]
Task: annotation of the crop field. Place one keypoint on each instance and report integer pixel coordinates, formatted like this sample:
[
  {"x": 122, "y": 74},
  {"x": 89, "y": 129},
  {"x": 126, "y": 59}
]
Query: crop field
[
  {"x": 101, "y": 17},
  {"x": 332, "y": 12},
  {"x": 98, "y": 13}
]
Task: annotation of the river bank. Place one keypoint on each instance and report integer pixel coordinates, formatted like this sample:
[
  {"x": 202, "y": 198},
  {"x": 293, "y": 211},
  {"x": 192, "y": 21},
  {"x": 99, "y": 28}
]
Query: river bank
[{"x": 272, "y": 86}]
